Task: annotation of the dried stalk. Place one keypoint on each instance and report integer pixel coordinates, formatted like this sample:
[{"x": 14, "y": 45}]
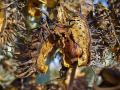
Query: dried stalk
[{"x": 72, "y": 76}]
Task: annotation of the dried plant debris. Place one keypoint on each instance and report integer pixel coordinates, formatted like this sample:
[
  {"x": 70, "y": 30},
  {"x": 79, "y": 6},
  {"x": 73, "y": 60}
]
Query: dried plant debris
[
  {"x": 33, "y": 31},
  {"x": 104, "y": 38},
  {"x": 7, "y": 69}
]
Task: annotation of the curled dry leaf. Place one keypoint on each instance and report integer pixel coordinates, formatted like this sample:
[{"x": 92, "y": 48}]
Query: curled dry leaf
[
  {"x": 76, "y": 44},
  {"x": 33, "y": 8},
  {"x": 76, "y": 30},
  {"x": 44, "y": 51}
]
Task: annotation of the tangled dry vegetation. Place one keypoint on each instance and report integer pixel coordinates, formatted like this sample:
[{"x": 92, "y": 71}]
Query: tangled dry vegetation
[{"x": 83, "y": 34}]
